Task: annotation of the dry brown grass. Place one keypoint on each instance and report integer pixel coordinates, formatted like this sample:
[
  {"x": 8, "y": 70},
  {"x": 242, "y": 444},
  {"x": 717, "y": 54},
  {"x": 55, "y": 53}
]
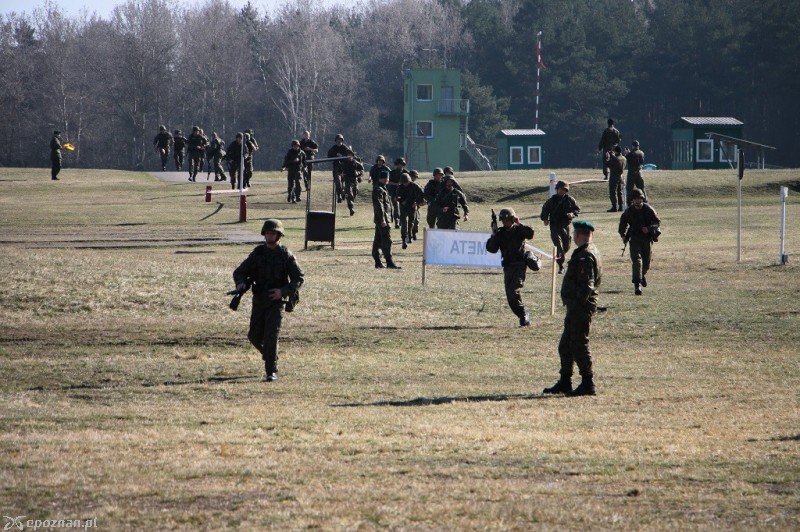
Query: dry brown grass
[{"x": 130, "y": 393}]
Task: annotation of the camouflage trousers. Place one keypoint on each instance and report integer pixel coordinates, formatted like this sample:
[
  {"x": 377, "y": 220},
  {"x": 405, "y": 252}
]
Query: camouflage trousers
[
  {"x": 573, "y": 348},
  {"x": 635, "y": 180},
  {"x": 350, "y": 184},
  {"x": 514, "y": 280},
  {"x": 178, "y": 156},
  {"x": 265, "y": 325},
  {"x": 382, "y": 242},
  {"x": 561, "y": 240},
  {"x": 615, "y": 186},
  {"x": 640, "y": 250},
  {"x": 408, "y": 215},
  {"x": 195, "y": 162},
  {"x": 433, "y": 214},
  {"x": 164, "y": 153}
]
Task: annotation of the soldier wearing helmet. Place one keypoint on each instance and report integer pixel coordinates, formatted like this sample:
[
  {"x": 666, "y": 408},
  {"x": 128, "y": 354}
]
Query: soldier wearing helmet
[
  {"x": 352, "y": 170},
  {"x": 339, "y": 149},
  {"x": 179, "y": 148},
  {"x": 558, "y": 212},
  {"x": 410, "y": 197},
  {"x": 294, "y": 162},
  {"x": 162, "y": 142},
  {"x": 375, "y": 170},
  {"x": 55, "y": 155},
  {"x": 394, "y": 184},
  {"x": 639, "y": 227},
  {"x": 310, "y": 148},
  {"x": 382, "y": 217},
  {"x": 610, "y": 138},
  {"x": 197, "y": 151},
  {"x": 635, "y": 159},
  {"x": 452, "y": 202},
  {"x": 509, "y": 239},
  {"x": 271, "y": 270},
  {"x": 234, "y": 157}
]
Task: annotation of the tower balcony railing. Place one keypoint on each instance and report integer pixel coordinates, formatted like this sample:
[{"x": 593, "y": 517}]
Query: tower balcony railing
[{"x": 449, "y": 106}]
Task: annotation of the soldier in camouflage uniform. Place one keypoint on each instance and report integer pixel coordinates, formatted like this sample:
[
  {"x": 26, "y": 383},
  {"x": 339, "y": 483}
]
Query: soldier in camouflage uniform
[
  {"x": 451, "y": 201},
  {"x": 179, "y": 148},
  {"x": 352, "y": 170},
  {"x": 635, "y": 159},
  {"x": 310, "y": 148},
  {"x": 252, "y": 148},
  {"x": 610, "y": 138},
  {"x": 409, "y": 197},
  {"x": 639, "y": 227},
  {"x": 294, "y": 162},
  {"x": 432, "y": 190},
  {"x": 376, "y": 169},
  {"x": 510, "y": 241},
  {"x": 579, "y": 292},
  {"x": 197, "y": 151},
  {"x": 217, "y": 149},
  {"x": 55, "y": 155},
  {"x": 414, "y": 175},
  {"x": 616, "y": 165},
  {"x": 558, "y": 212},
  {"x": 382, "y": 208},
  {"x": 339, "y": 149},
  {"x": 394, "y": 184},
  {"x": 275, "y": 277},
  {"x": 234, "y": 157},
  {"x": 162, "y": 141}
]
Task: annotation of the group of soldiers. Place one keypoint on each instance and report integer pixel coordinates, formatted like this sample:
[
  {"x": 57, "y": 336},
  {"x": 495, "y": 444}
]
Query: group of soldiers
[
  {"x": 615, "y": 160},
  {"x": 212, "y": 152}
]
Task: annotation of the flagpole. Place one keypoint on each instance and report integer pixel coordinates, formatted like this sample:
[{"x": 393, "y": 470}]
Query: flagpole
[{"x": 538, "y": 73}]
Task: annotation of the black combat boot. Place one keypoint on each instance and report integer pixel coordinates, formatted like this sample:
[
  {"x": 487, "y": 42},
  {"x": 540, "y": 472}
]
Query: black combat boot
[
  {"x": 378, "y": 264},
  {"x": 564, "y": 385},
  {"x": 525, "y": 320},
  {"x": 644, "y": 282},
  {"x": 637, "y": 289},
  {"x": 391, "y": 265},
  {"x": 586, "y": 387}
]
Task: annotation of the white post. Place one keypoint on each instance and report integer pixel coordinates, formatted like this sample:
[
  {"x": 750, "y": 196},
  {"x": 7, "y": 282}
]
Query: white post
[
  {"x": 739, "y": 208},
  {"x": 553, "y": 285},
  {"x": 784, "y": 194},
  {"x": 424, "y": 252},
  {"x": 552, "y": 183}
]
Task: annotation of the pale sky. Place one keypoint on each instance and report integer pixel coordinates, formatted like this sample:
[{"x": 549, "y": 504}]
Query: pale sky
[{"x": 104, "y": 7}]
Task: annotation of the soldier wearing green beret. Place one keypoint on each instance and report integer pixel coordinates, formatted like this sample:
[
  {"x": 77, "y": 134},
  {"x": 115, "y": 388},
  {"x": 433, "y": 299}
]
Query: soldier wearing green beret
[
  {"x": 409, "y": 197},
  {"x": 579, "y": 292},
  {"x": 510, "y": 241},
  {"x": 639, "y": 227},
  {"x": 275, "y": 277},
  {"x": 433, "y": 188},
  {"x": 382, "y": 208},
  {"x": 558, "y": 212}
]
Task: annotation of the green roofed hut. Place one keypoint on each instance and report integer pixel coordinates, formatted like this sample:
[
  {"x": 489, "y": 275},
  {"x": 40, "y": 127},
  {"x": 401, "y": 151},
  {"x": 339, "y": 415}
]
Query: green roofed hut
[
  {"x": 694, "y": 149},
  {"x": 520, "y": 149}
]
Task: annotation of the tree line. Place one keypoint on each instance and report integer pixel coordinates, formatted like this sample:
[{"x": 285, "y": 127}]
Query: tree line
[{"x": 108, "y": 83}]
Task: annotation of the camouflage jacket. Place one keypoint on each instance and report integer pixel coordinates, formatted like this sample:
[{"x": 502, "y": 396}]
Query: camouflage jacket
[
  {"x": 633, "y": 219},
  {"x": 510, "y": 242},
  {"x": 616, "y": 165},
  {"x": 635, "y": 161},
  {"x": 456, "y": 201},
  {"x": 432, "y": 190},
  {"x": 267, "y": 268},
  {"x": 381, "y": 205},
  {"x": 409, "y": 195},
  {"x": 163, "y": 140},
  {"x": 610, "y": 138},
  {"x": 582, "y": 279},
  {"x": 294, "y": 160},
  {"x": 556, "y": 208}
]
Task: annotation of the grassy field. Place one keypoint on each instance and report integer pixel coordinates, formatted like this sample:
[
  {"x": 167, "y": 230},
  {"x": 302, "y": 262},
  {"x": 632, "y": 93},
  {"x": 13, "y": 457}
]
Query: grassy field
[{"x": 130, "y": 393}]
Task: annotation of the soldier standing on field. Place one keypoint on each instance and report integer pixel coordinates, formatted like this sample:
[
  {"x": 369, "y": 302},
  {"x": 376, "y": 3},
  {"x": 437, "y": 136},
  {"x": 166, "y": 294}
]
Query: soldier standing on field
[
  {"x": 55, "y": 155},
  {"x": 271, "y": 270},
  {"x": 558, "y": 212},
  {"x": 352, "y": 170},
  {"x": 451, "y": 202},
  {"x": 310, "y": 148},
  {"x": 179, "y": 147},
  {"x": 635, "y": 159},
  {"x": 252, "y": 148},
  {"x": 234, "y": 156},
  {"x": 197, "y": 151},
  {"x": 433, "y": 188},
  {"x": 339, "y": 149},
  {"x": 382, "y": 209},
  {"x": 162, "y": 141},
  {"x": 394, "y": 183},
  {"x": 409, "y": 197},
  {"x": 616, "y": 165},
  {"x": 579, "y": 292},
  {"x": 414, "y": 175},
  {"x": 639, "y": 227},
  {"x": 610, "y": 138},
  {"x": 510, "y": 241},
  {"x": 294, "y": 162}
]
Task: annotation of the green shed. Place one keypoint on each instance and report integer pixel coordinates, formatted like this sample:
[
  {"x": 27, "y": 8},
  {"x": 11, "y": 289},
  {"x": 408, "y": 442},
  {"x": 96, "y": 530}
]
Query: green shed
[
  {"x": 692, "y": 149},
  {"x": 519, "y": 149}
]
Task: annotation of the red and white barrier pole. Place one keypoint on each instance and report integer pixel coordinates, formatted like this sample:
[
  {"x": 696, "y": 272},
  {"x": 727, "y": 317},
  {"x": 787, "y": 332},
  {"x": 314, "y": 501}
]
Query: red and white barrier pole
[
  {"x": 208, "y": 193},
  {"x": 243, "y": 208}
]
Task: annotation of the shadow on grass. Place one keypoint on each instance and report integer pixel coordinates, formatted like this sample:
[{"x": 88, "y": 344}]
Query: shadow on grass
[
  {"x": 425, "y": 328},
  {"x": 219, "y": 208},
  {"x": 524, "y": 194},
  {"x": 208, "y": 380},
  {"x": 427, "y": 401},
  {"x": 795, "y": 437}
]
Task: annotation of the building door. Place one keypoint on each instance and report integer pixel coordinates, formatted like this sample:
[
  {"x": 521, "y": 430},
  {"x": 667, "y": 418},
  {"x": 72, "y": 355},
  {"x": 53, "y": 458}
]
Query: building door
[{"x": 446, "y": 102}]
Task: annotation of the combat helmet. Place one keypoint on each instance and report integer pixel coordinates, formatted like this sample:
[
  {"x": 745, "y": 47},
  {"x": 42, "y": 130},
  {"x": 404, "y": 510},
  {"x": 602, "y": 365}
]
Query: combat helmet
[
  {"x": 272, "y": 224},
  {"x": 506, "y": 212}
]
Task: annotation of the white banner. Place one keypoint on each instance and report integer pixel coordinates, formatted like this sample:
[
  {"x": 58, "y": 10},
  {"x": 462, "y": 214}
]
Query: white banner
[{"x": 445, "y": 247}]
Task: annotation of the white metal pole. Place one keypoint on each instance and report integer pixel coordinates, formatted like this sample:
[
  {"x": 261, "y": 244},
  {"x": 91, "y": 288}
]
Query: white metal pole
[
  {"x": 784, "y": 194},
  {"x": 424, "y": 252},
  {"x": 553, "y": 286},
  {"x": 538, "y": 74},
  {"x": 739, "y": 208},
  {"x": 552, "y": 183}
]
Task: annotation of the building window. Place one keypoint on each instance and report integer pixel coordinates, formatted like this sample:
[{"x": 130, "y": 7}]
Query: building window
[
  {"x": 728, "y": 152},
  {"x": 705, "y": 151},
  {"x": 534, "y": 155},
  {"x": 425, "y": 93},
  {"x": 425, "y": 129},
  {"x": 515, "y": 155}
]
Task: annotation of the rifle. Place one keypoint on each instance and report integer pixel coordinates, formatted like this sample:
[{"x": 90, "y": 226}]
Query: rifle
[
  {"x": 237, "y": 296},
  {"x": 494, "y": 221},
  {"x": 625, "y": 240}
]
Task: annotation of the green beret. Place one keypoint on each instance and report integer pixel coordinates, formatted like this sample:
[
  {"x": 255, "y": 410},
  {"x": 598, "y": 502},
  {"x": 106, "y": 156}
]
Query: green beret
[{"x": 583, "y": 226}]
